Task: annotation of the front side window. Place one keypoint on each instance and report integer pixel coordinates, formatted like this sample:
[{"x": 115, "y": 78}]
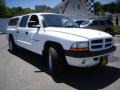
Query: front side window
[
  {"x": 33, "y": 21},
  {"x": 24, "y": 21},
  {"x": 13, "y": 22},
  {"x": 58, "y": 21}
]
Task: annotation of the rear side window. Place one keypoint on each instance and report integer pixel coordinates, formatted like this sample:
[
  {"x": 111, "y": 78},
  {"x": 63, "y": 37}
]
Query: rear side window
[
  {"x": 13, "y": 22},
  {"x": 23, "y": 21}
]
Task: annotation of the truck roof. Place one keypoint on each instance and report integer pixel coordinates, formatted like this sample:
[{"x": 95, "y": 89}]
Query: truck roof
[{"x": 35, "y": 14}]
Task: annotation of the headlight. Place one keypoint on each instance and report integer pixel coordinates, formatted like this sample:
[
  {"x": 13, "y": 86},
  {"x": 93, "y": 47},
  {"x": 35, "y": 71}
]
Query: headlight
[{"x": 80, "y": 46}]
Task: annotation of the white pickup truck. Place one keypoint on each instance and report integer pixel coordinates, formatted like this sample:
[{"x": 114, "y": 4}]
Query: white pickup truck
[{"x": 60, "y": 40}]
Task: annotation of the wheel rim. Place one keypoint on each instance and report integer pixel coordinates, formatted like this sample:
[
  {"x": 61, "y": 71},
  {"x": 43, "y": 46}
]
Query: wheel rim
[
  {"x": 10, "y": 45},
  {"x": 50, "y": 61}
]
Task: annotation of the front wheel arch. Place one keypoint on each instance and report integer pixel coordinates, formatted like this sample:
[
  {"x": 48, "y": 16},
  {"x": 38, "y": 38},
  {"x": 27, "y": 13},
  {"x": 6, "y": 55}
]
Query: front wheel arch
[{"x": 54, "y": 45}]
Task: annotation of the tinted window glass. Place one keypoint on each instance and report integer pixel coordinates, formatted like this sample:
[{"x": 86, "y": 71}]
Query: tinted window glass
[
  {"x": 13, "y": 22},
  {"x": 109, "y": 22},
  {"x": 58, "y": 21},
  {"x": 95, "y": 22},
  {"x": 24, "y": 21},
  {"x": 102, "y": 22}
]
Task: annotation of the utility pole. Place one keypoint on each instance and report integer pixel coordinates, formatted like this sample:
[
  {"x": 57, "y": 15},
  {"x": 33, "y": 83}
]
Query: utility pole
[{"x": 44, "y": 2}]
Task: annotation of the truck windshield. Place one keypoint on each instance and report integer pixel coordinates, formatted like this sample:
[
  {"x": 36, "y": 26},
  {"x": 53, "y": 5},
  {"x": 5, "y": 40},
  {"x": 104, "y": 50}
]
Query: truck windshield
[{"x": 58, "y": 21}]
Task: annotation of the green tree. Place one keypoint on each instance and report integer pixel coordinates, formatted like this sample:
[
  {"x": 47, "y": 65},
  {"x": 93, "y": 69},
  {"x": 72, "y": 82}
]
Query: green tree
[
  {"x": 4, "y": 12},
  {"x": 27, "y": 11},
  {"x": 98, "y": 8},
  {"x": 112, "y": 7},
  {"x": 16, "y": 11},
  {"x": 2, "y": 8}
]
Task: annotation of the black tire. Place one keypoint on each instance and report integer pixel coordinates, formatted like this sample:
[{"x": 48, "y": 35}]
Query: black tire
[
  {"x": 56, "y": 64},
  {"x": 12, "y": 45}
]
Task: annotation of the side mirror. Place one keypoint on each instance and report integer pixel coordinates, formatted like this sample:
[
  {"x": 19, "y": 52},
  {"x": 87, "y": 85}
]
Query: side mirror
[
  {"x": 33, "y": 24},
  {"x": 37, "y": 26}
]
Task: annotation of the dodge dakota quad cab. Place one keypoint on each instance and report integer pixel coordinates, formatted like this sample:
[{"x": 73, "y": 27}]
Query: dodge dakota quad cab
[{"x": 60, "y": 40}]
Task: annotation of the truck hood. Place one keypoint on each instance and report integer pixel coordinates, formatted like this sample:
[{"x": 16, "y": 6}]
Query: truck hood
[{"x": 81, "y": 32}]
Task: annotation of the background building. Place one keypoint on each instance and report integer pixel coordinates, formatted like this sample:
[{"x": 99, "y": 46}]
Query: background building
[
  {"x": 76, "y": 9},
  {"x": 40, "y": 8}
]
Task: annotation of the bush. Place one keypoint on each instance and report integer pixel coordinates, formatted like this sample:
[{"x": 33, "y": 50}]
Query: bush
[{"x": 117, "y": 29}]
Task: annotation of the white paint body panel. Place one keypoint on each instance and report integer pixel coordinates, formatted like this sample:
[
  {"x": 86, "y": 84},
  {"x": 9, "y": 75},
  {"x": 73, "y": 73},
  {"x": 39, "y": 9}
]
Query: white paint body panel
[
  {"x": 86, "y": 62},
  {"x": 36, "y": 39}
]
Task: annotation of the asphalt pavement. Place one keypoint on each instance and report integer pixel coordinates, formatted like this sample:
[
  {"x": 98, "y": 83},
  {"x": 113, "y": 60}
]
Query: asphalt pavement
[{"x": 28, "y": 71}]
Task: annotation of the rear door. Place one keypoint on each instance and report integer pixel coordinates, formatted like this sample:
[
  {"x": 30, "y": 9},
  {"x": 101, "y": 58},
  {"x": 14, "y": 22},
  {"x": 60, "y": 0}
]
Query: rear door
[{"x": 22, "y": 32}]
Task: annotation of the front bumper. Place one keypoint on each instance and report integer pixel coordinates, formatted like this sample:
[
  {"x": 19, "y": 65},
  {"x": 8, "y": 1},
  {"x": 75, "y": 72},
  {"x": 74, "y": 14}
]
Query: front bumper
[
  {"x": 89, "y": 53},
  {"x": 88, "y": 59}
]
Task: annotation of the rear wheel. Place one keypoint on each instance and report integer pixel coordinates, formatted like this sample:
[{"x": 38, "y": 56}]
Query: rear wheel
[{"x": 12, "y": 46}]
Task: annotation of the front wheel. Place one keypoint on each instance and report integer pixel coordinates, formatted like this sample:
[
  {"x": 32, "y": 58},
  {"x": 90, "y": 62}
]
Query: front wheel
[{"x": 55, "y": 61}]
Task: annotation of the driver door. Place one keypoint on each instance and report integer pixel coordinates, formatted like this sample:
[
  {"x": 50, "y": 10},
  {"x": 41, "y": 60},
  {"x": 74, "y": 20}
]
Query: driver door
[{"x": 33, "y": 31}]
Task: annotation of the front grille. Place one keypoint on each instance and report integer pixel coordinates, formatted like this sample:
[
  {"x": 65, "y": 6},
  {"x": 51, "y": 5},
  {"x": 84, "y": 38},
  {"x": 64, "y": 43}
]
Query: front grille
[
  {"x": 96, "y": 46},
  {"x": 97, "y": 41},
  {"x": 107, "y": 45},
  {"x": 108, "y": 40},
  {"x": 101, "y": 44}
]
